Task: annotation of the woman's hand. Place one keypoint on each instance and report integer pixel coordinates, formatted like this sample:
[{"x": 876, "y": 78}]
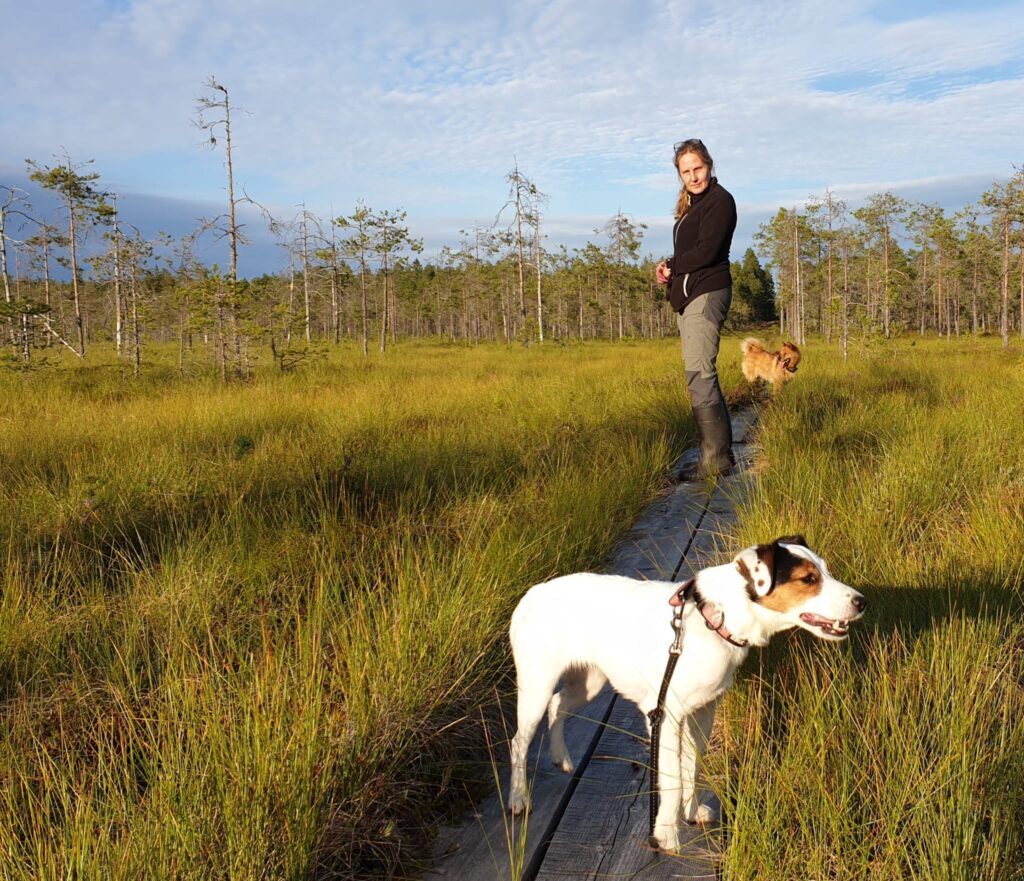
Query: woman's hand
[{"x": 662, "y": 273}]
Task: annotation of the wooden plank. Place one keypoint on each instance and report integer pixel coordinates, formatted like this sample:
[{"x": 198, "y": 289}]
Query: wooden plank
[
  {"x": 661, "y": 535},
  {"x": 603, "y": 833},
  {"x": 491, "y": 844},
  {"x": 743, "y": 423},
  {"x": 653, "y": 548},
  {"x": 610, "y": 788},
  {"x": 712, "y": 542}
]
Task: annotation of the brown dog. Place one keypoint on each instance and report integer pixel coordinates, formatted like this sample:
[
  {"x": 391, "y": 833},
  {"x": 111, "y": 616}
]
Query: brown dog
[{"x": 774, "y": 367}]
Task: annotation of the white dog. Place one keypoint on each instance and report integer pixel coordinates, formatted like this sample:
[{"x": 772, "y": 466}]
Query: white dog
[{"x": 594, "y": 629}]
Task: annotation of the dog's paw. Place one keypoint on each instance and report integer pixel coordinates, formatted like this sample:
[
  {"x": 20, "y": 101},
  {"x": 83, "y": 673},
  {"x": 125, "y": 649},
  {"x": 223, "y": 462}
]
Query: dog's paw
[
  {"x": 519, "y": 805},
  {"x": 699, "y": 813},
  {"x": 705, "y": 815},
  {"x": 665, "y": 838},
  {"x": 560, "y": 759}
]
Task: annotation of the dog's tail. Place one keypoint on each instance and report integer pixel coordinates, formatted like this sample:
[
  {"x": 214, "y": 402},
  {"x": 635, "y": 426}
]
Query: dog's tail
[{"x": 751, "y": 343}]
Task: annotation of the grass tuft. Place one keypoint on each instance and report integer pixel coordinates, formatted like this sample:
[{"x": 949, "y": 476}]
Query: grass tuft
[
  {"x": 897, "y": 754},
  {"x": 251, "y": 631}
]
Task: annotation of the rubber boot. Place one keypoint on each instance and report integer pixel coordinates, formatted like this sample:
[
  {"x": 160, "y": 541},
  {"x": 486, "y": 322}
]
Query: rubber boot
[{"x": 714, "y": 432}]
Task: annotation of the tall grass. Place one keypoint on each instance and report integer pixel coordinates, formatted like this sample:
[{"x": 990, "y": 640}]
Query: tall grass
[
  {"x": 246, "y": 632},
  {"x": 898, "y": 754}
]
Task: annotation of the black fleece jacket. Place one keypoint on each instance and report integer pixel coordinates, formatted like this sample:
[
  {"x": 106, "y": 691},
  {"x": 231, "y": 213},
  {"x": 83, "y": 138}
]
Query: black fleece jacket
[{"x": 700, "y": 261}]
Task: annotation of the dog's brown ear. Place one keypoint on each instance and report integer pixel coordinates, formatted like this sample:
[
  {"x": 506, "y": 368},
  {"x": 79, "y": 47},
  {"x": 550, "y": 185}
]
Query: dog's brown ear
[
  {"x": 757, "y": 566},
  {"x": 766, "y": 555}
]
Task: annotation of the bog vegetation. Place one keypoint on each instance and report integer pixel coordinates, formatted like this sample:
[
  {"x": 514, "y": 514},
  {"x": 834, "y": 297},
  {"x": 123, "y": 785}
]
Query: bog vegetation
[
  {"x": 251, "y": 630},
  {"x": 900, "y": 754},
  {"x": 246, "y": 631}
]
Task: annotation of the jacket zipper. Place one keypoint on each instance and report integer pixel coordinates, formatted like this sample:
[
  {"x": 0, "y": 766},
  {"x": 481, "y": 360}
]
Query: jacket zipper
[
  {"x": 675, "y": 230},
  {"x": 675, "y": 235}
]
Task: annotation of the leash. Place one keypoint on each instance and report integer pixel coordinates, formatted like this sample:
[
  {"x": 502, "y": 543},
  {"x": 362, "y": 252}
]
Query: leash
[
  {"x": 687, "y": 593},
  {"x": 658, "y": 713}
]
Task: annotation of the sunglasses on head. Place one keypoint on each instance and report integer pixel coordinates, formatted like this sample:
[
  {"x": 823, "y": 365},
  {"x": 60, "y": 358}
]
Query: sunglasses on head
[{"x": 691, "y": 144}]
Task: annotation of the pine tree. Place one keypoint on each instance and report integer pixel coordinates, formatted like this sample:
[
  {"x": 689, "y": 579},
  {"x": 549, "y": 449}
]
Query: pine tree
[
  {"x": 754, "y": 289},
  {"x": 82, "y": 201}
]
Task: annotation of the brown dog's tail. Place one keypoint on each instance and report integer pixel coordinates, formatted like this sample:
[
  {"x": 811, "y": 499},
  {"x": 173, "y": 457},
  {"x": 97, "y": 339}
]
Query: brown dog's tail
[{"x": 751, "y": 343}]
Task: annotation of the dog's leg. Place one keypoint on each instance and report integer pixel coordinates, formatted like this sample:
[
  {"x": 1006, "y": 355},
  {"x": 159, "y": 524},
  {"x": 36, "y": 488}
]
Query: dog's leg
[
  {"x": 696, "y": 734},
  {"x": 666, "y": 824},
  {"x": 581, "y": 686},
  {"x": 535, "y": 687}
]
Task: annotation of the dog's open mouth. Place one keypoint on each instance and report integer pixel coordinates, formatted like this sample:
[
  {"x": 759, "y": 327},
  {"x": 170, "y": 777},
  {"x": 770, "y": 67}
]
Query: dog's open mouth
[{"x": 829, "y": 626}]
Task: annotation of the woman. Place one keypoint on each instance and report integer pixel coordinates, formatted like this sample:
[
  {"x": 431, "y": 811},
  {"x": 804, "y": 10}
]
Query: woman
[{"x": 700, "y": 290}]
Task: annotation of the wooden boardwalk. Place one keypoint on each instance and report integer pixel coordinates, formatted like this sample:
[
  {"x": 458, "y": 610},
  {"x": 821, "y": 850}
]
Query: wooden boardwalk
[{"x": 593, "y": 824}]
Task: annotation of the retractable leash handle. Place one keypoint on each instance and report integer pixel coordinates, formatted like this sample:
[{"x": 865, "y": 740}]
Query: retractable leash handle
[{"x": 657, "y": 715}]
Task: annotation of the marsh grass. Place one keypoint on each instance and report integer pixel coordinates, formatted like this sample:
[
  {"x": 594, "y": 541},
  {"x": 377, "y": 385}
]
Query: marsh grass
[
  {"x": 247, "y": 632},
  {"x": 899, "y": 753}
]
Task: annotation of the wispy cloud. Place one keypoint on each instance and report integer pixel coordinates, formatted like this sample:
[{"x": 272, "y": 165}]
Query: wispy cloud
[{"x": 425, "y": 106}]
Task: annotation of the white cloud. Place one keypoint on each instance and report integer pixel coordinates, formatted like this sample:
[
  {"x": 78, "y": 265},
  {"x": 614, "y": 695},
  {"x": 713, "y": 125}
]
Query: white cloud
[{"x": 425, "y": 106}]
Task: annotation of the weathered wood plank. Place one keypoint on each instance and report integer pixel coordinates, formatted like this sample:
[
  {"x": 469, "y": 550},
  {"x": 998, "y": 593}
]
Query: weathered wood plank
[
  {"x": 491, "y": 845},
  {"x": 614, "y": 780},
  {"x": 603, "y": 833},
  {"x": 654, "y": 547},
  {"x": 743, "y": 423},
  {"x": 711, "y": 542}
]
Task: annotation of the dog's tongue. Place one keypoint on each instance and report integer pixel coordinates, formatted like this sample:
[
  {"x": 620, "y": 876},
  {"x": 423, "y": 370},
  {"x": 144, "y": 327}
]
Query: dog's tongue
[
  {"x": 816, "y": 620},
  {"x": 829, "y": 625}
]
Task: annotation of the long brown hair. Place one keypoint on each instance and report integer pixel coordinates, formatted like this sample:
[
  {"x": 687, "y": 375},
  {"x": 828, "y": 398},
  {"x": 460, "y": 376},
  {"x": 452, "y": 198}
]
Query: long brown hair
[{"x": 694, "y": 145}]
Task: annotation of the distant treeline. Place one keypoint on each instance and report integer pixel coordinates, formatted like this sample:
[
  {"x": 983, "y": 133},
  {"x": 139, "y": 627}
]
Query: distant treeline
[
  {"x": 888, "y": 267},
  {"x": 892, "y": 266}
]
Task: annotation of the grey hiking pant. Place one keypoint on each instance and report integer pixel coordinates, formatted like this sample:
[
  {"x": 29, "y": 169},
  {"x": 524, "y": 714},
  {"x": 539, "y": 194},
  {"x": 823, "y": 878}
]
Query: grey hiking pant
[{"x": 700, "y": 328}]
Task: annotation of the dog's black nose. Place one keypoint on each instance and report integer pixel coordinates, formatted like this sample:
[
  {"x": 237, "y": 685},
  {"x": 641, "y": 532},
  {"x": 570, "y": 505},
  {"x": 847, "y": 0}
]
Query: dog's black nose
[{"x": 859, "y": 603}]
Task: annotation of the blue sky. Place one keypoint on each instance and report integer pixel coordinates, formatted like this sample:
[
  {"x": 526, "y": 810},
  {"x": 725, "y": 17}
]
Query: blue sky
[{"x": 426, "y": 105}]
